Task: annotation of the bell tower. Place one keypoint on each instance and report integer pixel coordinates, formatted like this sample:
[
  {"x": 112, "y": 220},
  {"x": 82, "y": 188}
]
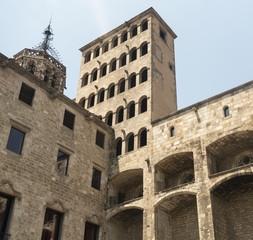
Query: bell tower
[{"x": 43, "y": 62}]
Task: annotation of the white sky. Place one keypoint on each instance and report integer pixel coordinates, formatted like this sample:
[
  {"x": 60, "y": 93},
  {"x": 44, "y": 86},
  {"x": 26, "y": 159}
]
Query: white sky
[{"x": 214, "y": 48}]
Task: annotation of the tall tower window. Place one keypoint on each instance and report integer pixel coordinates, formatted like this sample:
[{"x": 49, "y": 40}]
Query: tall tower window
[
  {"x": 111, "y": 91},
  {"x": 115, "y": 42},
  {"x": 172, "y": 131},
  {"x": 144, "y": 49},
  {"x": 103, "y": 69},
  {"x": 120, "y": 114},
  {"x": 162, "y": 35},
  {"x": 113, "y": 65},
  {"x": 91, "y": 100},
  {"x": 133, "y": 54},
  {"x": 105, "y": 47},
  {"x": 101, "y": 96},
  {"x": 143, "y": 138},
  {"x": 131, "y": 110},
  {"x": 96, "y": 51},
  {"x": 132, "y": 80},
  {"x": 124, "y": 36},
  {"x": 134, "y": 31},
  {"x": 130, "y": 142},
  {"x": 144, "y": 75},
  {"x": 82, "y": 102},
  {"x": 87, "y": 57},
  {"x": 143, "y": 105},
  {"x": 121, "y": 86},
  {"x": 123, "y": 60},
  {"x": 109, "y": 118},
  {"x": 144, "y": 26},
  {"x": 94, "y": 75},
  {"x": 84, "y": 80},
  {"x": 226, "y": 111},
  {"x": 26, "y": 94},
  {"x": 119, "y": 147}
]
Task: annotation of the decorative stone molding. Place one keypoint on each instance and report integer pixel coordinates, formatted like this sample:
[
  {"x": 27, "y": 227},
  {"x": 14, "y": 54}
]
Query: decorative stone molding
[{"x": 7, "y": 187}]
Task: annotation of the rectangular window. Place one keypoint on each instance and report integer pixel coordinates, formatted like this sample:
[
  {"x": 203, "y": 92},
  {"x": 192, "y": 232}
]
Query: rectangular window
[
  {"x": 162, "y": 35},
  {"x": 100, "y": 138},
  {"x": 91, "y": 231},
  {"x": 51, "y": 227},
  {"x": 69, "y": 119},
  {"x": 5, "y": 207},
  {"x": 15, "y": 141},
  {"x": 62, "y": 162},
  {"x": 26, "y": 94},
  {"x": 96, "y": 179}
]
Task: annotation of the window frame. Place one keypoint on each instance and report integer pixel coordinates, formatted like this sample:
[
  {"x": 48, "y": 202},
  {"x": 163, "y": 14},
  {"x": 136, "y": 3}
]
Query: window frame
[
  {"x": 24, "y": 89},
  {"x": 100, "y": 142},
  {"x": 15, "y": 149},
  {"x": 65, "y": 157},
  {"x": 96, "y": 183},
  {"x": 69, "y": 116}
]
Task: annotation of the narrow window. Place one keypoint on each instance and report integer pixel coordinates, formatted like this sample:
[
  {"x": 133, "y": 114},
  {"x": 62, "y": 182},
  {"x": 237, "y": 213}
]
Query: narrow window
[
  {"x": 97, "y": 52},
  {"x": 226, "y": 111},
  {"x": 122, "y": 86},
  {"x": 101, "y": 96},
  {"x": 15, "y": 141},
  {"x": 106, "y": 47},
  {"x": 109, "y": 119},
  {"x": 100, "y": 139},
  {"x": 162, "y": 35},
  {"x": 132, "y": 81},
  {"x": 82, "y": 102},
  {"x": 119, "y": 147},
  {"x": 133, "y": 55},
  {"x": 123, "y": 60},
  {"x": 144, "y": 76},
  {"x": 143, "y": 105},
  {"x": 85, "y": 80},
  {"x": 131, "y": 110},
  {"x": 51, "y": 226},
  {"x": 62, "y": 162},
  {"x": 130, "y": 143},
  {"x": 69, "y": 119},
  {"x": 120, "y": 115},
  {"x": 144, "y": 49},
  {"x": 46, "y": 76},
  {"x": 124, "y": 37},
  {"x": 134, "y": 31},
  {"x": 87, "y": 57},
  {"x": 96, "y": 179},
  {"x": 143, "y": 138},
  {"x": 144, "y": 26},
  {"x": 5, "y": 212},
  {"x": 113, "y": 65},
  {"x": 95, "y": 75},
  {"x": 172, "y": 131},
  {"x": 53, "y": 82},
  {"x": 31, "y": 67},
  {"x": 115, "y": 42},
  {"x": 26, "y": 94},
  {"x": 103, "y": 72},
  {"x": 91, "y": 231},
  {"x": 91, "y": 100},
  {"x": 111, "y": 91}
]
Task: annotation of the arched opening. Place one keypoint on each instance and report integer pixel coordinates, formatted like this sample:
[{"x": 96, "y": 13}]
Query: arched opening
[
  {"x": 124, "y": 36},
  {"x": 232, "y": 208},
  {"x": 142, "y": 137},
  {"x": 143, "y": 75},
  {"x": 115, "y": 42},
  {"x": 226, "y": 111},
  {"x": 174, "y": 171},
  {"x": 134, "y": 31},
  {"x": 143, "y": 104},
  {"x": 144, "y": 49},
  {"x": 121, "y": 86},
  {"x": 94, "y": 75},
  {"x": 103, "y": 70},
  {"x": 123, "y": 60},
  {"x": 82, "y": 102},
  {"x": 87, "y": 57},
  {"x": 101, "y": 95},
  {"x": 177, "y": 218},
  {"x": 113, "y": 65},
  {"x": 132, "y": 81},
  {"x": 131, "y": 110},
  {"x": 85, "y": 80},
  {"x": 120, "y": 115},
  {"x": 133, "y": 54},
  {"x": 96, "y": 52},
  {"x": 109, "y": 118},
  {"x": 228, "y": 152},
  {"x": 105, "y": 47},
  {"x": 130, "y": 142},
  {"x": 111, "y": 91},
  {"x": 118, "y": 147},
  {"x": 91, "y": 100},
  {"x": 172, "y": 131},
  {"x": 144, "y": 25}
]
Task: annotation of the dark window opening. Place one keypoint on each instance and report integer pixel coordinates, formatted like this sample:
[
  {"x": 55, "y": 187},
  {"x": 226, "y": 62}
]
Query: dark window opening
[
  {"x": 121, "y": 197},
  {"x": 124, "y": 37},
  {"x": 91, "y": 231},
  {"x": 245, "y": 160},
  {"x": 171, "y": 67},
  {"x": 31, "y": 68},
  {"x": 162, "y": 35},
  {"x": 15, "y": 140},
  {"x": 132, "y": 81},
  {"x": 92, "y": 101},
  {"x": 119, "y": 147},
  {"x": 120, "y": 115},
  {"x": 226, "y": 111},
  {"x": 100, "y": 139},
  {"x": 85, "y": 80},
  {"x": 144, "y": 76},
  {"x": 143, "y": 105},
  {"x": 82, "y": 103},
  {"x": 144, "y": 49},
  {"x": 51, "y": 226},
  {"x": 144, "y": 26},
  {"x": 94, "y": 75},
  {"x": 188, "y": 178},
  {"x": 133, "y": 55},
  {"x": 115, "y": 42},
  {"x": 102, "y": 96},
  {"x": 62, "y": 162},
  {"x": 5, "y": 212},
  {"x": 96, "y": 179},
  {"x": 131, "y": 110},
  {"x": 109, "y": 119},
  {"x": 46, "y": 76},
  {"x": 111, "y": 91},
  {"x": 123, "y": 61},
  {"x": 87, "y": 57},
  {"x": 172, "y": 131},
  {"x": 134, "y": 31},
  {"x": 143, "y": 138},
  {"x": 122, "y": 87},
  {"x": 106, "y": 47},
  {"x": 69, "y": 119},
  {"x": 130, "y": 143},
  {"x": 104, "y": 68},
  {"x": 97, "y": 52},
  {"x": 113, "y": 66},
  {"x": 26, "y": 94}
]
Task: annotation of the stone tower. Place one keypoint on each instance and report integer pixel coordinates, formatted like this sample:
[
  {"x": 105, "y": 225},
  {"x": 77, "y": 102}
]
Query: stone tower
[{"x": 43, "y": 62}]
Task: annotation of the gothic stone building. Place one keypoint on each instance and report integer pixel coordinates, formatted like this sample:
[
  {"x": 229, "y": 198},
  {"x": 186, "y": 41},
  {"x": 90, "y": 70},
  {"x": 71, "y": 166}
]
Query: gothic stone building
[{"x": 120, "y": 161}]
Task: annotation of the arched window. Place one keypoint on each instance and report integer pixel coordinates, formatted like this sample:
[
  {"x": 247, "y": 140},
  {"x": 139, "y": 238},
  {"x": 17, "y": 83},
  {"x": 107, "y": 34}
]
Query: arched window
[
  {"x": 124, "y": 36},
  {"x": 123, "y": 60},
  {"x": 91, "y": 100},
  {"x": 118, "y": 147},
  {"x": 130, "y": 142},
  {"x": 132, "y": 80},
  {"x": 94, "y": 75},
  {"x": 87, "y": 57},
  {"x": 133, "y": 54},
  {"x": 101, "y": 96},
  {"x": 103, "y": 70},
  {"x": 131, "y": 110},
  {"x": 226, "y": 111},
  {"x": 143, "y": 137},
  {"x": 144, "y": 49},
  {"x": 144, "y": 26},
  {"x": 96, "y": 52},
  {"x": 31, "y": 67},
  {"x": 143, "y": 105},
  {"x": 113, "y": 65},
  {"x": 172, "y": 131},
  {"x": 143, "y": 75},
  {"x": 111, "y": 91},
  {"x": 120, "y": 115},
  {"x": 82, "y": 102},
  {"x": 108, "y": 118},
  {"x": 121, "y": 86},
  {"x": 105, "y": 47},
  {"x": 115, "y": 42},
  {"x": 134, "y": 31},
  {"x": 85, "y": 80}
]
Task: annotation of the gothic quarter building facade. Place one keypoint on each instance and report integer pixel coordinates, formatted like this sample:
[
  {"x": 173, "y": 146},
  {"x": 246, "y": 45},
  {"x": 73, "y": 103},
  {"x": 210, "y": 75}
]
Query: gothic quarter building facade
[{"x": 120, "y": 161}]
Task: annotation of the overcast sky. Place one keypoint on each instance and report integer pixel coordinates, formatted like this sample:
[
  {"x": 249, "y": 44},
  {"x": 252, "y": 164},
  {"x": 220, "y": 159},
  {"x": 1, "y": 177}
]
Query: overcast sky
[{"x": 214, "y": 48}]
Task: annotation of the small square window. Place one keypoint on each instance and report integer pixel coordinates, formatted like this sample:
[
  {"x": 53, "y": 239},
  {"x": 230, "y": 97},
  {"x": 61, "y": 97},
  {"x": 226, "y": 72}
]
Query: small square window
[
  {"x": 100, "y": 139},
  {"x": 26, "y": 94},
  {"x": 62, "y": 162},
  {"x": 15, "y": 141},
  {"x": 96, "y": 179},
  {"x": 69, "y": 119},
  {"x": 162, "y": 35}
]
